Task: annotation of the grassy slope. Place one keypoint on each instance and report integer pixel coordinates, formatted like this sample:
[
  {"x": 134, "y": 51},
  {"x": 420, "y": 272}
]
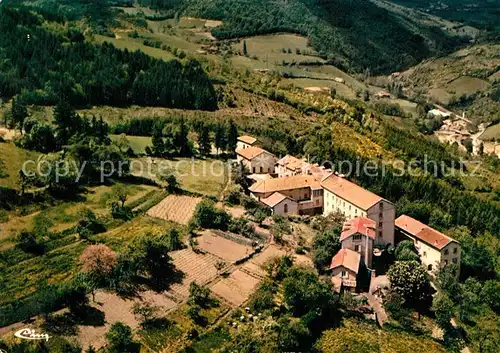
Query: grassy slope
[{"x": 13, "y": 159}]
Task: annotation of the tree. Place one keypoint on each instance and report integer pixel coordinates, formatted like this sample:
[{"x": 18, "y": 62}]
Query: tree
[
  {"x": 181, "y": 139},
  {"x": 120, "y": 194},
  {"x": 245, "y": 51},
  {"x": 149, "y": 257},
  {"x": 31, "y": 242},
  {"x": 40, "y": 138},
  {"x": 88, "y": 224},
  {"x": 232, "y": 136},
  {"x": 204, "y": 142},
  {"x": 293, "y": 336},
  {"x": 173, "y": 239},
  {"x": 120, "y": 339},
  {"x": 145, "y": 312},
  {"x": 67, "y": 122},
  {"x": 366, "y": 95},
  {"x": 406, "y": 251},
  {"x": 220, "y": 138},
  {"x": 409, "y": 279},
  {"x": 206, "y": 215},
  {"x": 326, "y": 244},
  {"x": 98, "y": 262},
  {"x": 200, "y": 296},
  {"x": 448, "y": 282},
  {"x": 172, "y": 183},
  {"x": 485, "y": 334},
  {"x": 443, "y": 309},
  {"x": 19, "y": 112},
  {"x": 333, "y": 92}
]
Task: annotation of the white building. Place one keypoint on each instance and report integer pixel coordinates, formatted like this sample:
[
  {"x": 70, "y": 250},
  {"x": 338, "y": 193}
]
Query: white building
[{"x": 353, "y": 201}]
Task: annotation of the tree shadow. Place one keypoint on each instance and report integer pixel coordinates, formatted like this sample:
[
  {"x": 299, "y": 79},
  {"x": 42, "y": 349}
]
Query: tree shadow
[
  {"x": 63, "y": 324},
  {"x": 90, "y": 316}
]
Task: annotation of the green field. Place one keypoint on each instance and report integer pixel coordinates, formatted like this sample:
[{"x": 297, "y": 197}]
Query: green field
[
  {"x": 492, "y": 132},
  {"x": 137, "y": 143},
  {"x": 13, "y": 159},
  {"x": 207, "y": 177}
]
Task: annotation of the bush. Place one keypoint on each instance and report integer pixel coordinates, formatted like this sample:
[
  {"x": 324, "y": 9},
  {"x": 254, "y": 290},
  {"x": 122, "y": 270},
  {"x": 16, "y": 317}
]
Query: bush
[
  {"x": 206, "y": 215},
  {"x": 89, "y": 224},
  {"x": 31, "y": 243},
  {"x": 120, "y": 339},
  {"x": 241, "y": 226}
]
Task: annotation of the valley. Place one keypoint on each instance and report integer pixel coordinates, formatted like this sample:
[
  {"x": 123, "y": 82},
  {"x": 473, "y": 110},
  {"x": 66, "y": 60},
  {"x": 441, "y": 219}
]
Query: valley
[{"x": 162, "y": 244}]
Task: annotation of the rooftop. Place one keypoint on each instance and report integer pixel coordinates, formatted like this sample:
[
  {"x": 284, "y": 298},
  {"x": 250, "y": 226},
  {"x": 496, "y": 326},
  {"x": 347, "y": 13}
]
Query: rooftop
[
  {"x": 346, "y": 258},
  {"x": 351, "y": 192},
  {"x": 251, "y": 152},
  {"x": 274, "y": 199},
  {"x": 358, "y": 225},
  {"x": 287, "y": 183},
  {"x": 423, "y": 232},
  {"x": 247, "y": 139}
]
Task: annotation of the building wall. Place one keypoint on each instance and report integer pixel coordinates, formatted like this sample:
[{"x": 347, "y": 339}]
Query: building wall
[
  {"x": 384, "y": 215},
  {"x": 298, "y": 194},
  {"x": 360, "y": 247},
  {"x": 241, "y": 144},
  {"x": 434, "y": 259},
  {"x": 291, "y": 206},
  {"x": 349, "y": 275},
  {"x": 258, "y": 165},
  {"x": 332, "y": 203},
  {"x": 284, "y": 172}
]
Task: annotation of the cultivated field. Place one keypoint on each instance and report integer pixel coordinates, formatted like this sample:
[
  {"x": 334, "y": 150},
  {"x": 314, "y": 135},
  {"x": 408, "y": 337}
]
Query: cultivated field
[
  {"x": 196, "y": 267},
  {"x": 222, "y": 247},
  {"x": 118, "y": 309},
  {"x": 236, "y": 288},
  {"x": 269, "y": 48},
  {"x": 175, "y": 208}
]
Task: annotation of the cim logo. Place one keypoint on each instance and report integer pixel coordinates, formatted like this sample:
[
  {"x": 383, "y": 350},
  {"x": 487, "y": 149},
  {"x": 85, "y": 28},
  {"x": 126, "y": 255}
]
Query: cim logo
[{"x": 30, "y": 334}]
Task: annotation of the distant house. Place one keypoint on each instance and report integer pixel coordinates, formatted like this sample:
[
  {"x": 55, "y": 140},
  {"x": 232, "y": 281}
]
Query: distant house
[
  {"x": 290, "y": 165},
  {"x": 339, "y": 79},
  {"x": 382, "y": 94},
  {"x": 436, "y": 250},
  {"x": 345, "y": 267},
  {"x": 256, "y": 160},
  {"x": 439, "y": 113},
  {"x": 353, "y": 201},
  {"x": 245, "y": 142},
  {"x": 358, "y": 234},
  {"x": 304, "y": 190}
]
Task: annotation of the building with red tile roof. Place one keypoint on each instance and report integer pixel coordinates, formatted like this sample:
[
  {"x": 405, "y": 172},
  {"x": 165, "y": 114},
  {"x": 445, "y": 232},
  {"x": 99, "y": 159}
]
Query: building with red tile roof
[
  {"x": 358, "y": 234},
  {"x": 435, "y": 249},
  {"x": 345, "y": 267}
]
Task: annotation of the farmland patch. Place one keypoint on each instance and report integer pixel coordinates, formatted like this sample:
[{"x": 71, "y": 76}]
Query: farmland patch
[{"x": 175, "y": 208}]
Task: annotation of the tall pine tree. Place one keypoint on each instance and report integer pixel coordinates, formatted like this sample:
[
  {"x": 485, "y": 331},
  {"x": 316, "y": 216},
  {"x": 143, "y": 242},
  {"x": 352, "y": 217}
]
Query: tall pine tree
[
  {"x": 204, "y": 142},
  {"x": 19, "y": 112},
  {"x": 181, "y": 140},
  {"x": 220, "y": 138},
  {"x": 232, "y": 136}
]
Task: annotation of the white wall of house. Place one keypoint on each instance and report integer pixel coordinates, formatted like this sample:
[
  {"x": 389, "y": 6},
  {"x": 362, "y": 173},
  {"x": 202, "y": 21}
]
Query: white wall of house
[
  {"x": 358, "y": 243},
  {"x": 332, "y": 204},
  {"x": 346, "y": 275},
  {"x": 241, "y": 144},
  {"x": 286, "y": 207},
  {"x": 434, "y": 259},
  {"x": 259, "y": 164}
]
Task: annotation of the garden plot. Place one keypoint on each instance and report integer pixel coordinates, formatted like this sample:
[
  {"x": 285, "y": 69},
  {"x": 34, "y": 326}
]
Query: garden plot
[
  {"x": 175, "y": 208},
  {"x": 117, "y": 309},
  {"x": 236, "y": 288},
  {"x": 254, "y": 266},
  {"x": 224, "y": 248},
  {"x": 196, "y": 267}
]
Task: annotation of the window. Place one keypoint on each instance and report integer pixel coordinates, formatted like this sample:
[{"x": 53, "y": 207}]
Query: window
[
  {"x": 356, "y": 211},
  {"x": 425, "y": 254},
  {"x": 379, "y": 233},
  {"x": 445, "y": 262},
  {"x": 253, "y": 169},
  {"x": 381, "y": 206},
  {"x": 317, "y": 202},
  {"x": 344, "y": 274},
  {"x": 455, "y": 260},
  {"x": 285, "y": 208},
  {"x": 446, "y": 252},
  {"x": 261, "y": 169},
  {"x": 455, "y": 250},
  {"x": 349, "y": 207},
  {"x": 356, "y": 248},
  {"x": 429, "y": 268},
  {"x": 356, "y": 237},
  {"x": 380, "y": 224}
]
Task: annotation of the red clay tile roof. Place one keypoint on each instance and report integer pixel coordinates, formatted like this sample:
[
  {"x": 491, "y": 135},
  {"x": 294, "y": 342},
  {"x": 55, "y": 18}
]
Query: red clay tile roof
[
  {"x": 251, "y": 152},
  {"x": 274, "y": 199},
  {"x": 247, "y": 139},
  {"x": 346, "y": 258},
  {"x": 350, "y": 192},
  {"x": 423, "y": 232},
  {"x": 361, "y": 225},
  {"x": 287, "y": 183}
]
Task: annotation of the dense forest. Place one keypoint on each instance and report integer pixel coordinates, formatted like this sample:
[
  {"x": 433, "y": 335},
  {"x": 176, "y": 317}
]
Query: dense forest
[
  {"x": 41, "y": 65},
  {"x": 353, "y": 35}
]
